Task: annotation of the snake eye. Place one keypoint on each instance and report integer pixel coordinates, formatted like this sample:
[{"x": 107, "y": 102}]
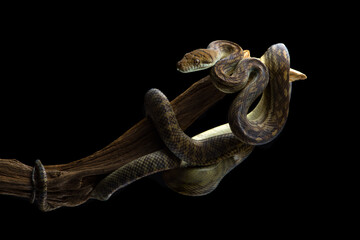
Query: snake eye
[{"x": 197, "y": 61}]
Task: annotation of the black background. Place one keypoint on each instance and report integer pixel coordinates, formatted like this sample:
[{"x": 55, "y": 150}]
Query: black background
[{"x": 73, "y": 80}]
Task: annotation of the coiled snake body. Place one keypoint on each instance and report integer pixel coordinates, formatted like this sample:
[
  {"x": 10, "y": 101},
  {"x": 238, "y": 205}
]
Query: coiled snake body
[{"x": 199, "y": 165}]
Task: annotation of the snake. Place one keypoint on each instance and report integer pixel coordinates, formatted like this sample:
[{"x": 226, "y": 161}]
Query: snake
[{"x": 195, "y": 166}]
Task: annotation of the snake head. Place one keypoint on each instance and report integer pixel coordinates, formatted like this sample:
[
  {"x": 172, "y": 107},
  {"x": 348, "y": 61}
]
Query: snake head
[{"x": 197, "y": 60}]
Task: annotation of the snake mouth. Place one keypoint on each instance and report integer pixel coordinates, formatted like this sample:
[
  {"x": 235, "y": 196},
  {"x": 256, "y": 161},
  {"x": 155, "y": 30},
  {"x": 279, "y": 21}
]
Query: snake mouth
[{"x": 187, "y": 68}]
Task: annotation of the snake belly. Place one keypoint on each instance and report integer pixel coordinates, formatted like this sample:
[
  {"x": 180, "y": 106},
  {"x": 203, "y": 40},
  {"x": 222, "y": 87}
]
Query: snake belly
[
  {"x": 199, "y": 181},
  {"x": 186, "y": 180}
]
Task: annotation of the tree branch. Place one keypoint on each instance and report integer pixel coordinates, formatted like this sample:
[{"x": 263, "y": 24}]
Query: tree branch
[{"x": 70, "y": 184}]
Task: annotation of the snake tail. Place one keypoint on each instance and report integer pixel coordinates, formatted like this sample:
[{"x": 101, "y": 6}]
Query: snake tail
[{"x": 39, "y": 181}]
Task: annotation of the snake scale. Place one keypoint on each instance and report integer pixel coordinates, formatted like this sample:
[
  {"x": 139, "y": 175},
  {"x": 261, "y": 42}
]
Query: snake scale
[{"x": 195, "y": 166}]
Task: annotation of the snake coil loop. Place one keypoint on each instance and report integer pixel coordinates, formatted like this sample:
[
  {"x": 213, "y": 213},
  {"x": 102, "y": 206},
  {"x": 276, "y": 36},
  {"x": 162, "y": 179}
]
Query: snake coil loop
[{"x": 251, "y": 77}]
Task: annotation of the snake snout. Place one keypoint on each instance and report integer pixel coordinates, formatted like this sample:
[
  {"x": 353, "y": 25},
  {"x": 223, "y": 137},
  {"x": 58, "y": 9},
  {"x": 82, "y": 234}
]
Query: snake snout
[{"x": 180, "y": 66}]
